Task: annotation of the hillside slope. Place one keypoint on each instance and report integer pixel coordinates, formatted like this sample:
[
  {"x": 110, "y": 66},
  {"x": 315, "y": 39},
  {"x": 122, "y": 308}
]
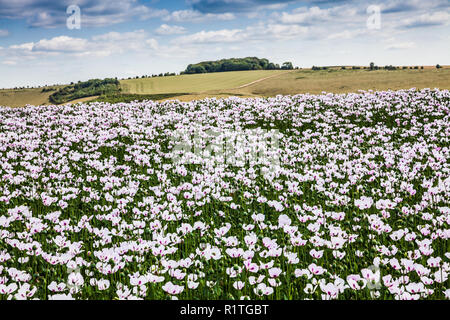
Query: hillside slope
[
  {"x": 195, "y": 83},
  {"x": 256, "y": 83}
]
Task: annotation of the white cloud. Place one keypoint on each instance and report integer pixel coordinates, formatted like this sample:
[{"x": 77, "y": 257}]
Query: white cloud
[
  {"x": 259, "y": 32},
  {"x": 121, "y": 36},
  {"x": 165, "y": 29},
  {"x": 427, "y": 19},
  {"x": 50, "y": 14},
  {"x": 196, "y": 16},
  {"x": 98, "y": 46},
  {"x": 4, "y": 33},
  {"x": 218, "y": 36},
  {"x": 254, "y": 15},
  {"x": 24, "y": 46},
  {"x": 282, "y": 31},
  {"x": 217, "y": 6},
  {"x": 152, "y": 43},
  {"x": 401, "y": 6},
  {"x": 347, "y": 34},
  {"x": 141, "y": 13},
  {"x": 315, "y": 15},
  {"x": 304, "y": 16},
  {"x": 61, "y": 44},
  {"x": 9, "y": 62},
  {"x": 401, "y": 45}
]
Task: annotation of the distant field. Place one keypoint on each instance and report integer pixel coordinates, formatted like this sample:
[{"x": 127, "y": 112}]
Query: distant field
[
  {"x": 336, "y": 81},
  {"x": 342, "y": 81},
  {"x": 254, "y": 84},
  {"x": 21, "y": 97},
  {"x": 195, "y": 83}
]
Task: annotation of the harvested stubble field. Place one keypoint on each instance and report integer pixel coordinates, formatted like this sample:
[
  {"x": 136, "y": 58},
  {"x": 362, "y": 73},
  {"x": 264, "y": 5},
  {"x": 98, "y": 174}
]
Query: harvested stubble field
[
  {"x": 272, "y": 83},
  {"x": 293, "y": 197},
  {"x": 344, "y": 81},
  {"x": 21, "y": 97},
  {"x": 263, "y": 83},
  {"x": 195, "y": 83}
]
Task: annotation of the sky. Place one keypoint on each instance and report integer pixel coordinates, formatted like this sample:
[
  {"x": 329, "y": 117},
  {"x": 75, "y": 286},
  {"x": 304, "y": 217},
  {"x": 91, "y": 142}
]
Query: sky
[{"x": 45, "y": 42}]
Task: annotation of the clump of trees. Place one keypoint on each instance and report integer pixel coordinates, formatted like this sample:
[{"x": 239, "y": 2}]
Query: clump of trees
[
  {"x": 287, "y": 66},
  {"x": 372, "y": 66},
  {"x": 48, "y": 89},
  {"x": 391, "y": 67},
  {"x": 84, "y": 89},
  {"x": 235, "y": 64}
]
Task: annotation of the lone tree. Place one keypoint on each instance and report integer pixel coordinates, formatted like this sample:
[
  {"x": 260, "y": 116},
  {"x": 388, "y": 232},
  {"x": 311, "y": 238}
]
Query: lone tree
[
  {"x": 372, "y": 66},
  {"x": 287, "y": 66},
  {"x": 438, "y": 66}
]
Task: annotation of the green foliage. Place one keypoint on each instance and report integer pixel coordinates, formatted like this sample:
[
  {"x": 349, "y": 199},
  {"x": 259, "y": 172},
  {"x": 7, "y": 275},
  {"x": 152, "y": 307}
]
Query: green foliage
[
  {"x": 85, "y": 89},
  {"x": 314, "y": 68},
  {"x": 48, "y": 89},
  {"x": 287, "y": 66},
  {"x": 391, "y": 67},
  {"x": 126, "y": 98},
  {"x": 233, "y": 64}
]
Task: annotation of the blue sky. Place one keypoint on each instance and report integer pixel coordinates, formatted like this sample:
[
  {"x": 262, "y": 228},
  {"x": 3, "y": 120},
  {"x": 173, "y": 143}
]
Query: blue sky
[{"x": 126, "y": 38}]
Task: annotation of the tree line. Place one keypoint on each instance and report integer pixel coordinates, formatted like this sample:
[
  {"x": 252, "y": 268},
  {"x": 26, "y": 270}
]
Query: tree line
[
  {"x": 235, "y": 64},
  {"x": 84, "y": 89},
  {"x": 372, "y": 67}
]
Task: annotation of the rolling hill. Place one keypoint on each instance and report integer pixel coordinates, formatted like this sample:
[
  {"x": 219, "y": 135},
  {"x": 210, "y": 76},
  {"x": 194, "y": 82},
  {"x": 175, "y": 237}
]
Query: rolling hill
[{"x": 258, "y": 83}]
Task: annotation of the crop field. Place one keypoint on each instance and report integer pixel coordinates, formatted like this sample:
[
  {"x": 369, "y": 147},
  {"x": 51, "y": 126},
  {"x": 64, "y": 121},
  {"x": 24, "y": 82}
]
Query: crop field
[
  {"x": 250, "y": 84},
  {"x": 345, "y": 81},
  {"x": 271, "y": 83},
  {"x": 331, "y": 196},
  {"x": 195, "y": 83},
  {"x": 22, "y": 97}
]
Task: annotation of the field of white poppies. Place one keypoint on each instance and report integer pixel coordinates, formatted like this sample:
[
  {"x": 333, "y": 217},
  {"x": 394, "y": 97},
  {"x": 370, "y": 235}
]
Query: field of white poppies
[{"x": 293, "y": 197}]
